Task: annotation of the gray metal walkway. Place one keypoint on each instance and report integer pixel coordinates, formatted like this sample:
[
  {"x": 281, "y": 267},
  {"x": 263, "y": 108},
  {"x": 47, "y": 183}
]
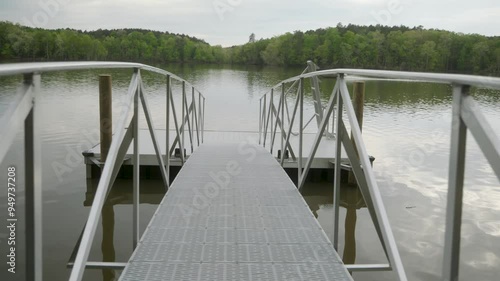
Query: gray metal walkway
[{"x": 232, "y": 213}]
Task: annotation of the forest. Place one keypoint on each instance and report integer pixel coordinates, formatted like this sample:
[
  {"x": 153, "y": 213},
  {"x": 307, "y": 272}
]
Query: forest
[{"x": 355, "y": 46}]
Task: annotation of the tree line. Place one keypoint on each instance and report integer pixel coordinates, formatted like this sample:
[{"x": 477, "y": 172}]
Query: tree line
[
  {"x": 34, "y": 44},
  {"x": 378, "y": 47}
]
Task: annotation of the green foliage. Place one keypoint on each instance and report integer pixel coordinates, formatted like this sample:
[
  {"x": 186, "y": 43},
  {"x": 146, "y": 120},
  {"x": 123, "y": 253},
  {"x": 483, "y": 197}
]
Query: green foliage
[
  {"x": 25, "y": 43},
  {"x": 378, "y": 47}
]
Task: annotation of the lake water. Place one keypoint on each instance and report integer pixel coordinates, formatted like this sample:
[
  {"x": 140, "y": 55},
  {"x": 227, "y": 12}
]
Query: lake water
[{"x": 406, "y": 127}]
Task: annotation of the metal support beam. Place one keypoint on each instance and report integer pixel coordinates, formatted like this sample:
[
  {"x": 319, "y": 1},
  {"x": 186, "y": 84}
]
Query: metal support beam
[
  {"x": 177, "y": 139},
  {"x": 282, "y": 126},
  {"x": 177, "y": 129},
  {"x": 290, "y": 128},
  {"x": 203, "y": 122},
  {"x": 103, "y": 187},
  {"x": 152, "y": 131},
  {"x": 393, "y": 254},
  {"x": 273, "y": 134},
  {"x": 336, "y": 186},
  {"x": 367, "y": 267},
  {"x": 357, "y": 170},
  {"x": 260, "y": 120},
  {"x": 269, "y": 118},
  {"x": 199, "y": 112},
  {"x": 183, "y": 97},
  {"x": 122, "y": 151},
  {"x": 455, "y": 187},
  {"x": 283, "y": 136},
  {"x": 312, "y": 67},
  {"x": 101, "y": 265},
  {"x": 482, "y": 131},
  {"x": 191, "y": 131},
  {"x": 301, "y": 129},
  {"x": 271, "y": 115},
  {"x": 167, "y": 131},
  {"x": 186, "y": 117},
  {"x": 33, "y": 197},
  {"x": 136, "y": 175},
  {"x": 319, "y": 135},
  {"x": 195, "y": 118}
]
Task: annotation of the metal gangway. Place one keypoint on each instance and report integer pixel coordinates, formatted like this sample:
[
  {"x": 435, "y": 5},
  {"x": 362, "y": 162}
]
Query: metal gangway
[{"x": 235, "y": 235}]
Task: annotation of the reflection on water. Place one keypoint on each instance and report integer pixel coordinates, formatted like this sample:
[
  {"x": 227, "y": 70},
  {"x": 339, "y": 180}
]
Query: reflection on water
[
  {"x": 351, "y": 200},
  {"x": 406, "y": 127},
  {"x": 152, "y": 192},
  {"x": 108, "y": 245}
]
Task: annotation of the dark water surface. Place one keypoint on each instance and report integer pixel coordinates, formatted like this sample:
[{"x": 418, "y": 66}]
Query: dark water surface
[{"x": 406, "y": 127}]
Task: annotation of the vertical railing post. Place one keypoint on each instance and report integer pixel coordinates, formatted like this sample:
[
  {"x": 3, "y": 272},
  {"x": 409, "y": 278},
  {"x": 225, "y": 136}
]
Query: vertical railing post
[
  {"x": 260, "y": 119},
  {"x": 193, "y": 112},
  {"x": 275, "y": 130},
  {"x": 203, "y": 123},
  {"x": 301, "y": 129},
  {"x": 271, "y": 115},
  {"x": 188, "y": 121},
  {"x": 283, "y": 100},
  {"x": 264, "y": 133},
  {"x": 337, "y": 175},
  {"x": 177, "y": 139},
  {"x": 455, "y": 187},
  {"x": 199, "y": 113},
  {"x": 136, "y": 172},
  {"x": 311, "y": 67},
  {"x": 286, "y": 104},
  {"x": 183, "y": 116},
  {"x": 195, "y": 116},
  {"x": 33, "y": 181},
  {"x": 167, "y": 132},
  {"x": 106, "y": 118}
]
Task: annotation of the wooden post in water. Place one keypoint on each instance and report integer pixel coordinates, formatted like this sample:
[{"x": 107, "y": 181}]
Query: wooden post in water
[
  {"x": 358, "y": 102},
  {"x": 106, "y": 114}
]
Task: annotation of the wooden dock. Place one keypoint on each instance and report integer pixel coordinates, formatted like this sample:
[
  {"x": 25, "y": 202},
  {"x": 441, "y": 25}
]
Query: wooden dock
[{"x": 232, "y": 213}]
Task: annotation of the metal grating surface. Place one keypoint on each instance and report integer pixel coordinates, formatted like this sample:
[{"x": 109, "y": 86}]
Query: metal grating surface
[{"x": 232, "y": 213}]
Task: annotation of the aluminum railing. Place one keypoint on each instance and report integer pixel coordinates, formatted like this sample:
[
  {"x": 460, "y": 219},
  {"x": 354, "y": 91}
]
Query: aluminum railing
[
  {"x": 466, "y": 115},
  {"x": 268, "y": 111},
  {"x": 23, "y": 109}
]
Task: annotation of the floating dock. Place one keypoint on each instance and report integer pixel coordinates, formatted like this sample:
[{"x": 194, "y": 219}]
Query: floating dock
[
  {"x": 323, "y": 159},
  {"x": 232, "y": 213}
]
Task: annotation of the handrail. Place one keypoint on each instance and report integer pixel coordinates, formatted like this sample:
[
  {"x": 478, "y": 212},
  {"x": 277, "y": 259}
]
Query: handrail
[
  {"x": 23, "y": 110},
  {"x": 466, "y": 115},
  {"x": 272, "y": 112},
  {"x": 44, "y": 67},
  {"x": 440, "y": 78}
]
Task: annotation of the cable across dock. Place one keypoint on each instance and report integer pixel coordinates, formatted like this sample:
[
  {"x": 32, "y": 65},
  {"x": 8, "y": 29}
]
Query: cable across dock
[{"x": 232, "y": 213}]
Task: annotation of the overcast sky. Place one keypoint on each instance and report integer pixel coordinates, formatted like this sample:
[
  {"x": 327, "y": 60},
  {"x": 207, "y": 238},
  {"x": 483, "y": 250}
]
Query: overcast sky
[{"x": 230, "y": 22}]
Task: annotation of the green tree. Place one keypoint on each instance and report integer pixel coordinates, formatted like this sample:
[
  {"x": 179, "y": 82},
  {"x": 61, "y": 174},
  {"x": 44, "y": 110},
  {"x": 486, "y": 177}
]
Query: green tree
[{"x": 429, "y": 55}]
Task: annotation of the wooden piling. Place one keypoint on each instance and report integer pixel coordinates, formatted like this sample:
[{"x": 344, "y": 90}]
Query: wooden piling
[
  {"x": 358, "y": 103},
  {"x": 106, "y": 114}
]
